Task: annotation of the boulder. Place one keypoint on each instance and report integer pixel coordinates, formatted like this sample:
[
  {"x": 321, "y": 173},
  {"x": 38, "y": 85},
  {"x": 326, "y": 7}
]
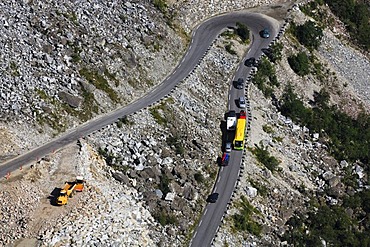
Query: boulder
[
  {"x": 170, "y": 196},
  {"x": 71, "y": 100},
  {"x": 119, "y": 176},
  {"x": 251, "y": 191}
]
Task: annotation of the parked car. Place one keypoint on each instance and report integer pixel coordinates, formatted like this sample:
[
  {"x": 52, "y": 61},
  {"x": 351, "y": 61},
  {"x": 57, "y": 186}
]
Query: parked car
[
  {"x": 228, "y": 147},
  {"x": 212, "y": 198},
  {"x": 240, "y": 83},
  {"x": 250, "y": 62},
  {"x": 225, "y": 159},
  {"x": 242, "y": 102},
  {"x": 265, "y": 33}
]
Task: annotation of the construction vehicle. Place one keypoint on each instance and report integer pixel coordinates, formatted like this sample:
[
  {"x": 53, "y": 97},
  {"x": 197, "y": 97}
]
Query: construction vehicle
[
  {"x": 79, "y": 184},
  {"x": 66, "y": 192}
]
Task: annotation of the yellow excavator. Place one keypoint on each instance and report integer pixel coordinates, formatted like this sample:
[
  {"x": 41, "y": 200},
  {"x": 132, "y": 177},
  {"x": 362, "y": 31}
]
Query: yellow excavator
[
  {"x": 65, "y": 193},
  {"x": 69, "y": 189}
]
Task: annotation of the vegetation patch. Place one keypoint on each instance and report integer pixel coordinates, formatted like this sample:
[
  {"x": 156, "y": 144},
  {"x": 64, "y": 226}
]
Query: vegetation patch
[
  {"x": 242, "y": 31},
  {"x": 229, "y": 49},
  {"x": 265, "y": 78},
  {"x": 199, "y": 177},
  {"x": 175, "y": 141},
  {"x": 243, "y": 220},
  {"x": 165, "y": 218},
  {"x": 355, "y": 15},
  {"x": 267, "y": 128},
  {"x": 348, "y": 138},
  {"x": 262, "y": 189},
  {"x": 99, "y": 82},
  {"x": 162, "y": 113},
  {"x": 274, "y": 53},
  {"x": 164, "y": 184},
  {"x": 333, "y": 224},
  {"x": 13, "y": 67},
  {"x": 309, "y": 34},
  {"x": 264, "y": 157},
  {"x": 300, "y": 63}
]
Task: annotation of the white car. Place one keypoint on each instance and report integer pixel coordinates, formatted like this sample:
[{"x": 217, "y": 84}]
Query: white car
[
  {"x": 231, "y": 120},
  {"x": 242, "y": 102},
  {"x": 228, "y": 147}
]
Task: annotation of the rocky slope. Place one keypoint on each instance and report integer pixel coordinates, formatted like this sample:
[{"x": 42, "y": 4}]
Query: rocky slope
[{"x": 160, "y": 162}]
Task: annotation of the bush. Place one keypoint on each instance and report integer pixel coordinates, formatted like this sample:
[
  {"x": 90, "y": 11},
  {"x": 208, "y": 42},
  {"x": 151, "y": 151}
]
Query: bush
[
  {"x": 264, "y": 157},
  {"x": 300, "y": 63},
  {"x": 174, "y": 141},
  {"x": 274, "y": 54},
  {"x": 243, "y": 221},
  {"x": 265, "y": 78},
  {"x": 309, "y": 35},
  {"x": 242, "y": 31},
  {"x": 165, "y": 218},
  {"x": 199, "y": 177},
  {"x": 229, "y": 49}
]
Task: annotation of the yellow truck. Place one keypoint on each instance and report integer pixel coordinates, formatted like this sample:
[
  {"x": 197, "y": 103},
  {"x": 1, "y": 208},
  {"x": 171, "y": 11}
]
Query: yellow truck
[{"x": 66, "y": 192}]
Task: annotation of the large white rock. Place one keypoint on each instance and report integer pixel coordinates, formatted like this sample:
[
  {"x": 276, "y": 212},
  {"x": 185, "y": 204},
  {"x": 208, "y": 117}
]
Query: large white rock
[
  {"x": 251, "y": 191},
  {"x": 170, "y": 196}
]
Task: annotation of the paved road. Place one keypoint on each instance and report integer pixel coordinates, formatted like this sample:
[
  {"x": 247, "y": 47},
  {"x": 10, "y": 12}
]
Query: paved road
[{"x": 228, "y": 176}]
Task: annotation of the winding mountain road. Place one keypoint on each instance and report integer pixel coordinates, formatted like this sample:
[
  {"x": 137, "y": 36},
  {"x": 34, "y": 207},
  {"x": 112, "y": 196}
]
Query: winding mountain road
[{"x": 202, "y": 38}]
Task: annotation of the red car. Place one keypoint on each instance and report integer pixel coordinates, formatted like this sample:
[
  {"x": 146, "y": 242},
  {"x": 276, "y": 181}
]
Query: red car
[{"x": 225, "y": 159}]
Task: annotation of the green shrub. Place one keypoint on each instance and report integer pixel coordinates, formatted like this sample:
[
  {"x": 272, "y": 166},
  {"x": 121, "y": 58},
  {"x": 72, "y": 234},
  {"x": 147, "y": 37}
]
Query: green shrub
[
  {"x": 309, "y": 35},
  {"x": 175, "y": 141},
  {"x": 165, "y": 218},
  {"x": 265, "y": 78},
  {"x": 164, "y": 184},
  {"x": 229, "y": 49},
  {"x": 331, "y": 224},
  {"x": 300, "y": 63},
  {"x": 275, "y": 52},
  {"x": 99, "y": 82},
  {"x": 160, "y": 5},
  {"x": 267, "y": 128},
  {"x": 199, "y": 177},
  {"x": 264, "y": 157},
  {"x": 243, "y": 221},
  {"x": 242, "y": 31}
]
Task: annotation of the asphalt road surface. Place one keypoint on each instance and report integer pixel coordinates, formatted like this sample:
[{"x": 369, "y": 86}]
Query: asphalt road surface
[
  {"x": 227, "y": 176},
  {"x": 202, "y": 38}
]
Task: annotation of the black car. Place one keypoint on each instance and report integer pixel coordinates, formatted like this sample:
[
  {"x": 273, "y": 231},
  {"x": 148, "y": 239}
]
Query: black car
[
  {"x": 212, "y": 198},
  {"x": 240, "y": 83},
  {"x": 265, "y": 33},
  {"x": 250, "y": 62}
]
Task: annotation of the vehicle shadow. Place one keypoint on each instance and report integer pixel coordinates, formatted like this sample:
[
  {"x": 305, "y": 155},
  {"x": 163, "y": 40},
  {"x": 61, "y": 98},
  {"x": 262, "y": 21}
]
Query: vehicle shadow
[
  {"x": 235, "y": 84},
  {"x": 54, "y": 195}
]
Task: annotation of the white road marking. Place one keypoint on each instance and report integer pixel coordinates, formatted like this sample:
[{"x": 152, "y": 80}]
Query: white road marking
[
  {"x": 218, "y": 180},
  {"x": 205, "y": 212},
  {"x": 200, "y": 223},
  {"x": 215, "y": 189}
]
